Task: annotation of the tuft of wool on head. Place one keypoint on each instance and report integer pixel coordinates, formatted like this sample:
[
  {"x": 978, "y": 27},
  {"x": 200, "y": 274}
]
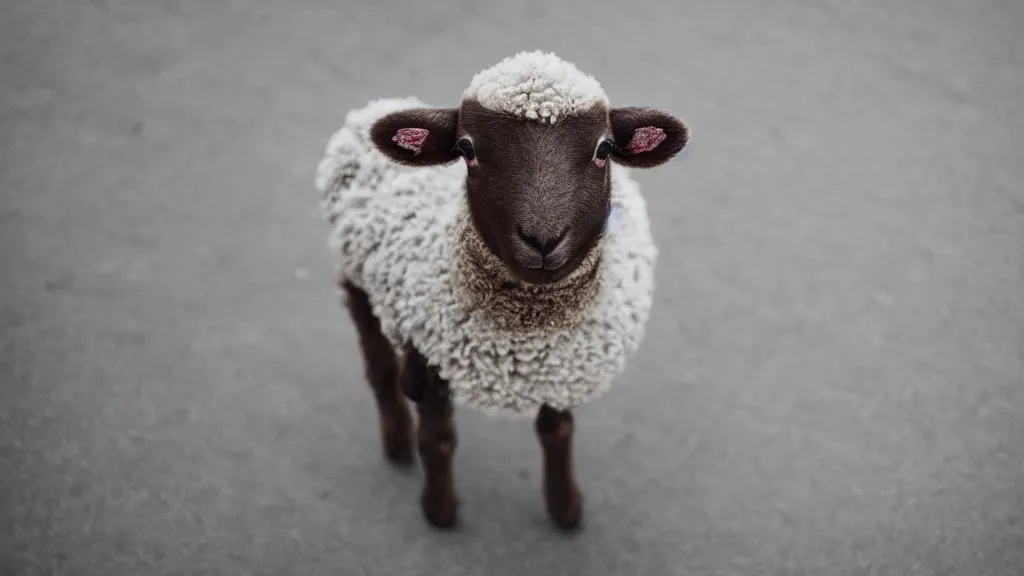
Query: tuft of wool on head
[{"x": 537, "y": 86}]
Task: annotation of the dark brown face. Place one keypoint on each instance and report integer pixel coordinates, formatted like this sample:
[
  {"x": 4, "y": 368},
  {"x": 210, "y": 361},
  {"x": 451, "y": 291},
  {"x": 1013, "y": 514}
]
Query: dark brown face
[{"x": 538, "y": 194}]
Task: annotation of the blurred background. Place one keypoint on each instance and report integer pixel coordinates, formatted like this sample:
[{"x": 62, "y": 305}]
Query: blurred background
[{"x": 831, "y": 382}]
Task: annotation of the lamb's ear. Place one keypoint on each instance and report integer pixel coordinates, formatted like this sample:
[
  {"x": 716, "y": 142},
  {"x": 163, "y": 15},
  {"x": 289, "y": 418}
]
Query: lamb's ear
[
  {"x": 646, "y": 137},
  {"x": 417, "y": 136}
]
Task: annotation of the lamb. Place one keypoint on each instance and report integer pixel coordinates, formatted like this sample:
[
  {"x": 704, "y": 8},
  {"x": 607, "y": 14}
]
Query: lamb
[{"x": 516, "y": 282}]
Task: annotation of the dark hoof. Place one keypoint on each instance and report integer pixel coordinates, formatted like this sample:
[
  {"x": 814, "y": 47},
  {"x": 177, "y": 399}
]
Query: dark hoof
[
  {"x": 441, "y": 511},
  {"x": 566, "y": 511}
]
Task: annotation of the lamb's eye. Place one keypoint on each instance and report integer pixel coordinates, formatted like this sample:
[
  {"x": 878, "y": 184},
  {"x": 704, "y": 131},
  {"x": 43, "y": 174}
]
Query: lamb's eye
[
  {"x": 465, "y": 147},
  {"x": 604, "y": 149}
]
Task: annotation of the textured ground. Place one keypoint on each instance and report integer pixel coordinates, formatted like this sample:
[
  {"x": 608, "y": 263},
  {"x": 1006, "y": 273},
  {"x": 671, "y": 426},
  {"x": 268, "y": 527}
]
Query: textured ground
[{"x": 832, "y": 382}]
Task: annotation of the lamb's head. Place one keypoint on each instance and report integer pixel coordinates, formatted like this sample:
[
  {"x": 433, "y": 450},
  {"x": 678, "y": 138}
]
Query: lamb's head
[{"x": 537, "y": 136}]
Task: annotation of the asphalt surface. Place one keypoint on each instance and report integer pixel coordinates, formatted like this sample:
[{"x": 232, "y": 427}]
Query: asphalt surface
[{"x": 832, "y": 378}]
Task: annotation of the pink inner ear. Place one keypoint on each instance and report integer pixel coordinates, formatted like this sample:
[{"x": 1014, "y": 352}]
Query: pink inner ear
[
  {"x": 411, "y": 138},
  {"x": 646, "y": 139}
]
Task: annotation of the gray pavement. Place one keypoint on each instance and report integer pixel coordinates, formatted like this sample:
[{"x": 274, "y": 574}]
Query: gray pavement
[{"x": 832, "y": 379}]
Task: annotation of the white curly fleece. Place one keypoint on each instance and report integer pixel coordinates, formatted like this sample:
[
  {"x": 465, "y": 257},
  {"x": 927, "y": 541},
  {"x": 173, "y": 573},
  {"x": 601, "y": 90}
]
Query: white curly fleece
[
  {"x": 537, "y": 86},
  {"x": 403, "y": 235}
]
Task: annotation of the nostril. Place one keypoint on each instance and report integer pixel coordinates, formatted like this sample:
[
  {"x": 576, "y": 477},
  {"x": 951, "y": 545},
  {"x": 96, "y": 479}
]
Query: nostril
[
  {"x": 545, "y": 244},
  {"x": 530, "y": 240},
  {"x": 553, "y": 243}
]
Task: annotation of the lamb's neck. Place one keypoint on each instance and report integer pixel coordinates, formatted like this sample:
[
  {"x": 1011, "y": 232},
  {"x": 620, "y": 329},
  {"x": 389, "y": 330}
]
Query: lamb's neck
[{"x": 511, "y": 303}]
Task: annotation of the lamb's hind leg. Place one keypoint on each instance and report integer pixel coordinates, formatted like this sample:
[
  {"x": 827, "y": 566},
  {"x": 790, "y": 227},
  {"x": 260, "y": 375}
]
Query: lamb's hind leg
[
  {"x": 381, "y": 366},
  {"x": 561, "y": 494},
  {"x": 436, "y": 437}
]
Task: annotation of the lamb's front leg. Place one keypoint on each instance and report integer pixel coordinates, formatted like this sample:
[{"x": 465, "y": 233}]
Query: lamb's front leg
[
  {"x": 436, "y": 438},
  {"x": 564, "y": 503},
  {"x": 381, "y": 368}
]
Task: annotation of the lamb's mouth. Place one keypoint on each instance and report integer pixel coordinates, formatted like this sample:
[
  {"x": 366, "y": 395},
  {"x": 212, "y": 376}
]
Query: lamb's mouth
[
  {"x": 581, "y": 264},
  {"x": 496, "y": 268},
  {"x": 544, "y": 276}
]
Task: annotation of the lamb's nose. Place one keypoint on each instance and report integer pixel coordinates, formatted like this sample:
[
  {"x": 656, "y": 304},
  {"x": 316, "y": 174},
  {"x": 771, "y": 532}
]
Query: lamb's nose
[{"x": 543, "y": 243}]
